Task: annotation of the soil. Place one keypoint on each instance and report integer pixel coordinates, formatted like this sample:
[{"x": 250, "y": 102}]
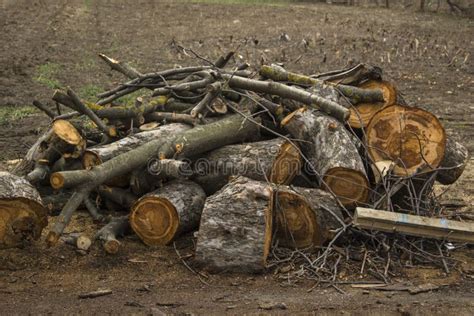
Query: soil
[{"x": 428, "y": 56}]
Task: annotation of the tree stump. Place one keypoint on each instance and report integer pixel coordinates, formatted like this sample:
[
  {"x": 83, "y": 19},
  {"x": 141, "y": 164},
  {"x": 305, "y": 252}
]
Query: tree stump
[
  {"x": 162, "y": 215},
  {"x": 236, "y": 228},
  {"x": 363, "y": 112},
  {"x": 22, "y": 214},
  {"x": 275, "y": 160},
  {"x": 412, "y": 138},
  {"x": 332, "y": 155},
  {"x": 305, "y": 217}
]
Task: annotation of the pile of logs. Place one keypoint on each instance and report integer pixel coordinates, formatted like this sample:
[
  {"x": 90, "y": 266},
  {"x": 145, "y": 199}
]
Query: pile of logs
[{"x": 249, "y": 159}]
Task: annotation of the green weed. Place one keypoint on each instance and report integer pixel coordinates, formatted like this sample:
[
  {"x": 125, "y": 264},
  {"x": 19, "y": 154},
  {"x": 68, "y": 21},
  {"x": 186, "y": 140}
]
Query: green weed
[{"x": 46, "y": 75}]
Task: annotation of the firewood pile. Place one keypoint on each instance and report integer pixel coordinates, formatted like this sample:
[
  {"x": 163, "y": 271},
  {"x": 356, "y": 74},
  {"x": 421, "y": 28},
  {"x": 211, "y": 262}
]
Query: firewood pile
[{"x": 263, "y": 165}]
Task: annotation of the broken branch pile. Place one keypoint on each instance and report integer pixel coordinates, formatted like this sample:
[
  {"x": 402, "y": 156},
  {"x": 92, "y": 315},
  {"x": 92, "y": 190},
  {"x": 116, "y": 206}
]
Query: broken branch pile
[{"x": 259, "y": 160}]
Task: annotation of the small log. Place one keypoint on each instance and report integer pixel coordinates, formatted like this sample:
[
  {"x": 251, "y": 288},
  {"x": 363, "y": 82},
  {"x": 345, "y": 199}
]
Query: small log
[
  {"x": 305, "y": 217},
  {"x": 99, "y": 154},
  {"x": 22, "y": 214},
  {"x": 412, "y": 138},
  {"x": 391, "y": 222},
  {"x": 118, "y": 226},
  {"x": 362, "y": 113},
  {"x": 276, "y": 160},
  {"x": 172, "y": 118},
  {"x": 80, "y": 241},
  {"x": 332, "y": 154},
  {"x": 162, "y": 215},
  {"x": 455, "y": 159},
  {"x": 63, "y": 140},
  {"x": 236, "y": 228},
  {"x": 44, "y": 108}
]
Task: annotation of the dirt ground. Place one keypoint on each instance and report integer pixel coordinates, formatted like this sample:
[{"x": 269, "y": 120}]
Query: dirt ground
[{"x": 428, "y": 56}]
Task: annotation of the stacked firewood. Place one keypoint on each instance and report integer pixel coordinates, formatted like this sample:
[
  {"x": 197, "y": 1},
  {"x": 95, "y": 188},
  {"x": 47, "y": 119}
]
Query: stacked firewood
[{"x": 249, "y": 159}]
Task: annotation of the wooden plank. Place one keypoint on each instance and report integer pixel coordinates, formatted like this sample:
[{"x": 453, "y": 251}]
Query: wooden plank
[{"x": 438, "y": 228}]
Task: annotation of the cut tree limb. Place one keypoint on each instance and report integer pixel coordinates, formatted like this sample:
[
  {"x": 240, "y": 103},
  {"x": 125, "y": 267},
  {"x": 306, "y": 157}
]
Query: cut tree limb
[
  {"x": 275, "y": 88},
  {"x": 332, "y": 154},
  {"x": 162, "y": 215},
  {"x": 121, "y": 67},
  {"x": 236, "y": 228},
  {"x": 118, "y": 226}
]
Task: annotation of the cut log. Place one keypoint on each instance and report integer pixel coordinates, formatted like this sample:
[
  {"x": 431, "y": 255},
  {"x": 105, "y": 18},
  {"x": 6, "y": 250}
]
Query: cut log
[
  {"x": 456, "y": 157},
  {"x": 236, "y": 228},
  {"x": 118, "y": 226},
  {"x": 363, "y": 112},
  {"x": 80, "y": 241},
  {"x": 99, "y": 154},
  {"x": 412, "y": 138},
  {"x": 22, "y": 214},
  {"x": 438, "y": 228},
  {"x": 275, "y": 160},
  {"x": 332, "y": 155},
  {"x": 305, "y": 217},
  {"x": 161, "y": 216}
]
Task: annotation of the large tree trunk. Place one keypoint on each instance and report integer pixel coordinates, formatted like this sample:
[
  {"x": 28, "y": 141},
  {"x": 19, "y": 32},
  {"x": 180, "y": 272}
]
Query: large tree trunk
[
  {"x": 275, "y": 160},
  {"x": 331, "y": 153},
  {"x": 305, "y": 217},
  {"x": 161, "y": 216},
  {"x": 97, "y": 155},
  {"x": 22, "y": 214},
  {"x": 236, "y": 228},
  {"x": 412, "y": 138},
  {"x": 456, "y": 157}
]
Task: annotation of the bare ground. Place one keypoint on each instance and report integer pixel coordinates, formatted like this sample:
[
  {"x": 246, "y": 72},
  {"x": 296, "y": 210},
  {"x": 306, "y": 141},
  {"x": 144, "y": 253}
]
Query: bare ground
[{"x": 428, "y": 56}]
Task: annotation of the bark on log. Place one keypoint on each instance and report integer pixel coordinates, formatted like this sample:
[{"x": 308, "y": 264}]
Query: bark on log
[
  {"x": 236, "y": 228},
  {"x": 276, "y": 160},
  {"x": 363, "y": 112},
  {"x": 275, "y": 88},
  {"x": 332, "y": 154},
  {"x": 117, "y": 227},
  {"x": 412, "y": 138},
  {"x": 305, "y": 217},
  {"x": 456, "y": 157},
  {"x": 99, "y": 154},
  {"x": 22, "y": 214},
  {"x": 63, "y": 141},
  {"x": 161, "y": 216},
  {"x": 229, "y": 130},
  {"x": 121, "y": 67},
  {"x": 355, "y": 94}
]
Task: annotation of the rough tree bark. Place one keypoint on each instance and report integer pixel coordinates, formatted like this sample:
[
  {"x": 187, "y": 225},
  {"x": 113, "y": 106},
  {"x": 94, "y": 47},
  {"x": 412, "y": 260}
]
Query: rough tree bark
[
  {"x": 332, "y": 155},
  {"x": 456, "y": 157},
  {"x": 162, "y": 215},
  {"x": 22, "y": 214},
  {"x": 236, "y": 228},
  {"x": 275, "y": 160}
]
